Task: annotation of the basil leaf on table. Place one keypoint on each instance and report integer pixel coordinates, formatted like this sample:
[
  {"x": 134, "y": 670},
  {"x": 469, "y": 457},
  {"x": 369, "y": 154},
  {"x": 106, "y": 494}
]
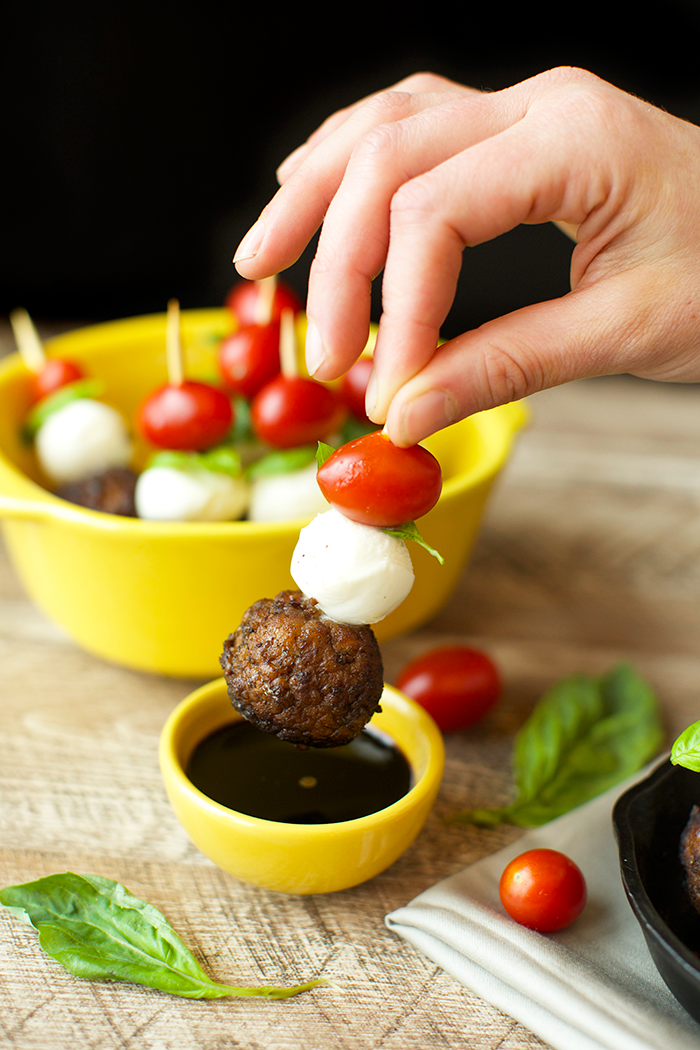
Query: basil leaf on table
[
  {"x": 584, "y": 736},
  {"x": 98, "y": 930},
  {"x": 686, "y": 750}
]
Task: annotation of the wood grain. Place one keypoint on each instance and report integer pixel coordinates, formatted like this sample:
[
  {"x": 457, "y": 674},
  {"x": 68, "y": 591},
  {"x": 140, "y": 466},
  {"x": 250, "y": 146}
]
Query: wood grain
[{"x": 589, "y": 553}]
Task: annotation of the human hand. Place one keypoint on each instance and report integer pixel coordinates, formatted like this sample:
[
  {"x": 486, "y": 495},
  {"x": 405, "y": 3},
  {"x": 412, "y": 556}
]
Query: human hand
[{"x": 406, "y": 179}]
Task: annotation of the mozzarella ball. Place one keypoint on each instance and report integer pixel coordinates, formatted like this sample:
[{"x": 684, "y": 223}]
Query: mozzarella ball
[
  {"x": 279, "y": 497},
  {"x": 194, "y": 494},
  {"x": 83, "y": 438},
  {"x": 357, "y": 573}
]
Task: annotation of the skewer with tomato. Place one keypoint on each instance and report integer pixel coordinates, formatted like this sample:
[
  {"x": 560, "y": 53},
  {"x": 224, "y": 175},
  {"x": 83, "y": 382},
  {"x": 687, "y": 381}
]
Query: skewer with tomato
[
  {"x": 76, "y": 436},
  {"x": 183, "y": 414},
  {"x": 47, "y": 374},
  {"x": 290, "y": 414},
  {"x": 261, "y": 302},
  {"x": 250, "y": 356},
  {"x": 353, "y": 559},
  {"x": 293, "y": 409},
  {"x": 194, "y": 477}
]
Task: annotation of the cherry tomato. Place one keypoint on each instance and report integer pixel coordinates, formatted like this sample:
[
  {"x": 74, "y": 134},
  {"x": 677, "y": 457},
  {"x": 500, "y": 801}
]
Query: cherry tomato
[
  {"x": 249, "y": 358},
  {"x": 456, "y": 685},
  {"x": 191, "y": 416},
  {"x": 293, "y": 410},
  {"x": 374, "y": 482},
  {"x": 543, "y": 890},
  {"x": 242, "y": 300},
  {"x": 353, "y": 387},
  {"x": 57, "y": 372}
]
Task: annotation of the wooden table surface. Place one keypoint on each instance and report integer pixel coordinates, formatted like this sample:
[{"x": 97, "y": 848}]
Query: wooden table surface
[{"x": 589, "y": 552}]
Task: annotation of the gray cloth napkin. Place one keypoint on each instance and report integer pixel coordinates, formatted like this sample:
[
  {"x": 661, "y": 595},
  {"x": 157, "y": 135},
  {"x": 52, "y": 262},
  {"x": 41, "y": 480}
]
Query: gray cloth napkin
[{"x": 592, "y": 986}]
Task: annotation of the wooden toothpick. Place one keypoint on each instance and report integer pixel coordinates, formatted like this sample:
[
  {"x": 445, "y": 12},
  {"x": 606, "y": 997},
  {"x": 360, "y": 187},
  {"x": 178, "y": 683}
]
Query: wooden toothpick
[
  {"x": 28, "y": 342},
  {"x": 266, "y": 296},
  {"x": 173, "y": 345},
  {"x": 288, "y": 345}
]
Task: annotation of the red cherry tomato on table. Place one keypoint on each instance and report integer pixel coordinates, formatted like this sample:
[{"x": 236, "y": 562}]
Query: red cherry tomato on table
[
  {"x": 456, "y": 685},
  {"x": 243, "y": 297},
  {"x": 293, "y": 410},
  {"x": 57, "y": 372},
  {"x": 375, "y": 482},
  {"x": 543, "y": 890},
  {"x": 249, "y": 358},
  {"x": 353, "y": 387},
  {"x": 190, "y": 416}
]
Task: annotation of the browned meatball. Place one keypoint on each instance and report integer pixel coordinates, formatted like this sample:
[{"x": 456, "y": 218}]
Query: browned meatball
[
  {"x": 293, "y": 672},
  {"x": 112, "y": 491},
  {"x": 690, "y": 856}
]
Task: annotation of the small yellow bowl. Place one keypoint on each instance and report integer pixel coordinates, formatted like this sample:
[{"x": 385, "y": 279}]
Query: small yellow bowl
[
  {"x": 300, "y": 858},
  {"x": 160, "y": 596}
]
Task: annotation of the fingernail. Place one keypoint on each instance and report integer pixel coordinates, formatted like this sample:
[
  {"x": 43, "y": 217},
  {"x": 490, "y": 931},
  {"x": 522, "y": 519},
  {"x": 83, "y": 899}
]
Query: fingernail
[
  {"x": 315, "y": 354},
  {"x": 289, "y": 163},
  {"x": 371, "y": 395},
  {"x": 429, "y": 412},
  {"x": 250, "y": 245}
]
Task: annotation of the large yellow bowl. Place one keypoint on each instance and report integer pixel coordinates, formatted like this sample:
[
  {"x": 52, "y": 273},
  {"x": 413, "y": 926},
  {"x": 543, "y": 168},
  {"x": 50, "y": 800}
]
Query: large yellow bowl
[
  {"x": 300, "y": 858},
  {"x": 163, "y": 596}
]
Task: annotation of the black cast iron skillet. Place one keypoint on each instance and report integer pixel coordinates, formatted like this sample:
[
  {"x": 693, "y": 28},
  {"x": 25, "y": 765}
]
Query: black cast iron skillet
[{"x": 648, "y": 821}]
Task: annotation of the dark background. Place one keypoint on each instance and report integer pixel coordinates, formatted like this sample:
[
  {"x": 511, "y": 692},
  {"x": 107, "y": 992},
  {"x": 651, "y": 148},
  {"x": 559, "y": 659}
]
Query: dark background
[{"x": 140, "y": 146}]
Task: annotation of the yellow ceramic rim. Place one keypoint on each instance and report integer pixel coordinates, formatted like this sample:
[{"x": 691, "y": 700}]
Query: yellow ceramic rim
[{"x": 424, "y": 786}]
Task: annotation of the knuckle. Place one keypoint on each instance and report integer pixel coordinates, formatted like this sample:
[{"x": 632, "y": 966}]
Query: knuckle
[
  {"x": 424, "y": 81},
  {"x": 376, "y": 144},
  {"x": 412, "y": 201},
  {"x": 333, "y": 261},
  {"x": 564, "y": 76},
  {"x": 510, "y": 372},
  {"x": 388, "y": 105},
  {"x": 325, "y": 261},
  {"x": 586, "y": 99}
]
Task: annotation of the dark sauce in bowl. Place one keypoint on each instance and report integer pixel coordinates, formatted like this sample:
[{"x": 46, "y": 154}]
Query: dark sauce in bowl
[{"x": 255, "y": 773}]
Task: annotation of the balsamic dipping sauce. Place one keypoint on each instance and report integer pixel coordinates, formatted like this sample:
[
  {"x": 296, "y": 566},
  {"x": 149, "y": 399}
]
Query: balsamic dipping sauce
[{"x": 255, "y": 773}]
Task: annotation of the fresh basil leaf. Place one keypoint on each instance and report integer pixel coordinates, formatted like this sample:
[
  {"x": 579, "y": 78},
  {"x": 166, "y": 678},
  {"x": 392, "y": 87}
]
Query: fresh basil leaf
[
  {"x": 324, "y": 452},
  {"x": 213, "y": 336},
  {"x": 282, "y": 461},
  {"x": 98, "y": 930},
  {"x": 242, "y": 429},
  {"x": 686, "y": 750},
  {"x": 409, "y": 531},
  {"x": 223, "y": 459},
  {"x": 584, "y": 736},
  {"x": 81, "y": 388},
  {"x": 354, "y": 428},
  {"x": 563, "y": 715}
]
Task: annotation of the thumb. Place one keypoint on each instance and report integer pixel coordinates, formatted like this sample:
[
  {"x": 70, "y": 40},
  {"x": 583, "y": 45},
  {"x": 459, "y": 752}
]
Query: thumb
[{"x": 614, "y": 325}]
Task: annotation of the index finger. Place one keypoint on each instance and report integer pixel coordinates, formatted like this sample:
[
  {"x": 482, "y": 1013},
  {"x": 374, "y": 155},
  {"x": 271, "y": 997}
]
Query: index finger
[
  {"x": 295, "y": 213},
  {"x": 417, "y": 83}
]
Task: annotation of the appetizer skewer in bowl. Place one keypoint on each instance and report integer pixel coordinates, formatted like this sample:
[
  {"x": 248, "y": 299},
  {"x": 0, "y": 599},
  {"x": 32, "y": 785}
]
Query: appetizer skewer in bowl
[{"x": 161, "y": 596}]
